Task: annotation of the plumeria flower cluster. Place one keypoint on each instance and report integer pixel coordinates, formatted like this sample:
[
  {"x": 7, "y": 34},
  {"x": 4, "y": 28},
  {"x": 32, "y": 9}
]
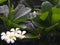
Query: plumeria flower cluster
[{"x": 10, "y": 36}]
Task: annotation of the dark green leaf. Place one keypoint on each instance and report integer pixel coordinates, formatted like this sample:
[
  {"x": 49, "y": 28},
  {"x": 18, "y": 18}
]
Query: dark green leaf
[
  {"x": 11, "y": 12},
  {"x": 31, "y": 36},
  {"x": 51, "y": 27}
]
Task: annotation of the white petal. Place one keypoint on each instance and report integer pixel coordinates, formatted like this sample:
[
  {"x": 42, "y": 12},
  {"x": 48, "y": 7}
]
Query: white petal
[
  {"x": 3, "y": 33},
  {"x": 17, "y": 28},
  {"x": 6, "y": 37},
  {"x": 12, "y": 33},
  {"x": 21, "y": 37},
  {"x": 12, "y": 29},
  {"x": 2, "y": 37},
  {"x": 19, "y": 31},
  {"x": 16, "y": 35},
  {"x": 8, "y": 32},
  {"x": 12, "y": 41},
  {"x": 8, "y": 41},
  {"x": 14, "y": 38},
  {"x": 23, "y": 32}
]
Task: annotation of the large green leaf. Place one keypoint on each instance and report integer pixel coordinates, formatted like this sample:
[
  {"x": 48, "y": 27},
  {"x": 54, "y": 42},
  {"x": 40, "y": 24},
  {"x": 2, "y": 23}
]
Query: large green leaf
[
  {"x": 44, "y": 16},
  {"x": 56, "y": 10},
  {"x": 55, "y": 18},
  {"x": 55, "y": 15}
]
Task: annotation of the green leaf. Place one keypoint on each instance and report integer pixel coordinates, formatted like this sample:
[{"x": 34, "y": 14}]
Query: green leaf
[
  {"x": 51, "y": 27},
  {"x": 55, "y": 18},
  {"x": 44, "y": 16},
  {"x": 11, "y": 13},
  {"x": 56, "y": 10},
  {"x": 31, "y": 36},
  {"x": 46, "y": 6},
  {"x": 37, "y": 21},
  {"x": 1, "y": 1},
  {"x": 55, "y": 1},
  {"x": 6, "y": 21},
  {"x": 16, "y": 25},
  {"x": 40, "y": 29},
  {"x": 29, "y": 3},
  {"x": 55, "y": 15},
  {"x": 21, "y": 19}
]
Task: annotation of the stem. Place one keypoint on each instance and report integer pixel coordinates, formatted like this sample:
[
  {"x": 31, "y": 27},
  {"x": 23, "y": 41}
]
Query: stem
[
  {"x": 9, "y": 4},
  {"x": 9, "y": 9}
]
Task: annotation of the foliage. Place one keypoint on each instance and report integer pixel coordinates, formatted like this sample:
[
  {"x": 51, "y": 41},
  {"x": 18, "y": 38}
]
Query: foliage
[
  {"x": 54, "y": 2},
  {"x": 46, "y": 6},
  {"x": 47, "y": 21},
  {"x": 42, "y": 23},
  {"x": 55, "y": 15},
  {"x": 1, "y": 1},
  {"x": 10, "y": 22}
]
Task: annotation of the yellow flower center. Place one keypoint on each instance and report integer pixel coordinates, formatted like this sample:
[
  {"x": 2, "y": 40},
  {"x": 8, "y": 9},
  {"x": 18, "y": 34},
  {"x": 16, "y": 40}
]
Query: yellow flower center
[{"x": 10, "y": 37}]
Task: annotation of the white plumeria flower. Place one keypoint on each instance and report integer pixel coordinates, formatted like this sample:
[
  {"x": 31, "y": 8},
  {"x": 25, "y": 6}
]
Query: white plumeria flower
[
  {"x": 11, "y": 38},
  {"x": 4, "y": 36},
  {"x": 21, "y": 34},
  {"x": 16, "y": 31},
  {"x": 8, "y": 37}
]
